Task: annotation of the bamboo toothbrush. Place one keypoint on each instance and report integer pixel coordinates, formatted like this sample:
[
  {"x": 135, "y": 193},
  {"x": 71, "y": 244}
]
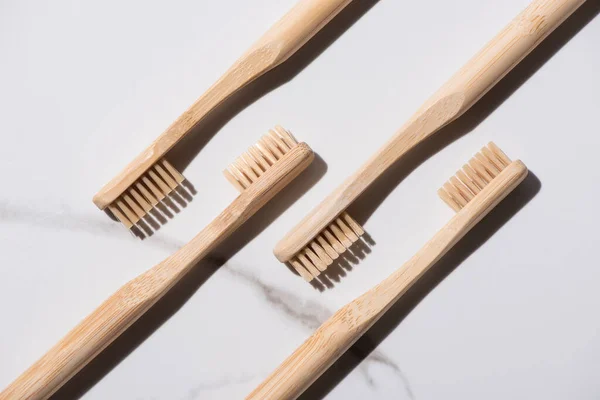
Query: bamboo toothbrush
[
  {"x": 473, "y": 192},
  {"x": 316, "y": 241},
  {"x": 259, "y": 174},
  {"x": 149, "y": 178}
]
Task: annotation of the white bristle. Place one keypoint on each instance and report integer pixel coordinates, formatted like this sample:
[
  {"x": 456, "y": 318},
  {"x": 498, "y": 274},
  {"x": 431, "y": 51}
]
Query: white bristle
[
  {"x": 326, "y": 247},
  {"x": 250, "y": 166},
  {"x": 460, "y": 189},
  {"x": 155, "y": 185}
]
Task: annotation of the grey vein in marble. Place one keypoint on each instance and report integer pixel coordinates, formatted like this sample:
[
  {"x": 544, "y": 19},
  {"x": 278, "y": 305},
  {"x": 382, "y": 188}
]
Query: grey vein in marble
[
  {"x": 61, "y": 219},
  {"x": 66, "y": 219},
  {"x": 378, "y": 357},
  {"x": 309, "y": 314}
]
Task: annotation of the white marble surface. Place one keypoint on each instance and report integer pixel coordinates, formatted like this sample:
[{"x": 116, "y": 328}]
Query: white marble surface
[{"x": 513, "y": 313}]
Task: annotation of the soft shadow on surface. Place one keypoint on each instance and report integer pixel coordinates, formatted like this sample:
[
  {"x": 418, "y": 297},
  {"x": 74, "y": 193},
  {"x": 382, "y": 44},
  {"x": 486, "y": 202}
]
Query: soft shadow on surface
[
  {"x": 182, "y": 291},
  {"x": 185, "y": 151},
  {"x": 396, "y": 314},
  {"x": 368, "y": 202}
]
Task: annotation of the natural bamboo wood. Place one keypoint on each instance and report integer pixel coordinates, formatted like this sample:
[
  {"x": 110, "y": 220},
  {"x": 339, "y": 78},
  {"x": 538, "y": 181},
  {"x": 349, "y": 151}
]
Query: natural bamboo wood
[
  {"x": 133, "y": 299},
  {"x": 348, "y": 324},
  {"x": 469, "y": 84},
  {"x": 279, "y": 43}
]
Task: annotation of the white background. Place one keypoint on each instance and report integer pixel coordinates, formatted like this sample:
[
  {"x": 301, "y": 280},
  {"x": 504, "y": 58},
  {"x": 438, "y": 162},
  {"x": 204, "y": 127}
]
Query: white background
[{"x": 85, "y": 86}]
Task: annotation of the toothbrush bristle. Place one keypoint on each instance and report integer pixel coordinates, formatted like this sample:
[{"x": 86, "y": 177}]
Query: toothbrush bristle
[
  {"x": 250, "y": 166},
  {"x": 141, "y": 197},
  {"x": 474, "y": 176},
  {"x": 326, "y": 247}
]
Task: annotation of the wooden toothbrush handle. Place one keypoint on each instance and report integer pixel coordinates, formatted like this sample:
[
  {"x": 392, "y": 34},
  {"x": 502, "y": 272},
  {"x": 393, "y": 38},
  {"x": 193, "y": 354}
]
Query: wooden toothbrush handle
[
  {"x": 298, "y": 26},
  {"x": 122, "y": 309},
  {"x": 132, "y": 300},
  {"x": 315, "y": 355},
  {"x": 471, "y": 82},
  {"x": 84, "y": 341},
  {"x": 506, "y": 50},
  {"x": 282, "y": 40}
]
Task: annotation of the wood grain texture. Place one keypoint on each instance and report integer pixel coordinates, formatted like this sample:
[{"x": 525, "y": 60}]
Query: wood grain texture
[
  {"x": 471, "y": 82},
  {"x": 348, "y": 324},
  {"x": 133, "y": 299},
  {"x": 283, "y": 39}
]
